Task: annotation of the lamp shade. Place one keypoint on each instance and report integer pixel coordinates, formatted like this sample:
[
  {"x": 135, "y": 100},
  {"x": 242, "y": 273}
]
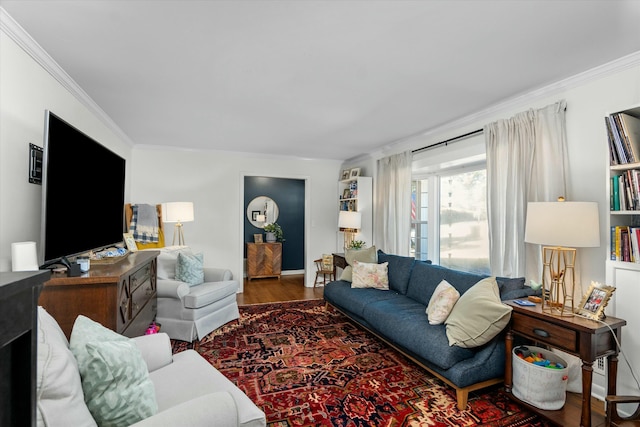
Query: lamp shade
[
  {"x": 261, "y": 218},
  {"x": 24, "y": 256},
  {"x": 177, "y": 212},
  {"x": 567, "y": 224},
  {"x": 350, "y": 219}
]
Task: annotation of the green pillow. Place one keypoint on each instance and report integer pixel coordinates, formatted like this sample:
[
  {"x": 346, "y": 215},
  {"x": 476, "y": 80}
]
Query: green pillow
[
  {"x": 478, "y": 316},
  {"x": 115, "y": 379},
  {"x": 368, "y": 255},
  {"x": 190, "y": 268}
]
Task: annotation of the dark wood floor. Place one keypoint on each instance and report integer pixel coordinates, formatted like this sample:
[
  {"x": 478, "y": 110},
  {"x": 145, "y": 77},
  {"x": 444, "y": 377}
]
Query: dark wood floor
[{"x": 288, "y": 288}]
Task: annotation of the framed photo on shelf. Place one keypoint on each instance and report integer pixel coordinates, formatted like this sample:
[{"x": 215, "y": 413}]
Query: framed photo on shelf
[
  {"x": 130, "y": 242},
  {"x": 345, "y": 175},
  {"x": 354, "y": 173},
  {"x": 346, "y": 194},
  {"x": 257, "y": 238},
  {"x": 254, "y": 215},
  {"x": 594, "y": 301}
]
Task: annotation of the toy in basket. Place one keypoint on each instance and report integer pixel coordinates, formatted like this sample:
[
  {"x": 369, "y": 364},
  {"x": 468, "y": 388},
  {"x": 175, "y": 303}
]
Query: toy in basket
[{"x": 539, "y": 377}]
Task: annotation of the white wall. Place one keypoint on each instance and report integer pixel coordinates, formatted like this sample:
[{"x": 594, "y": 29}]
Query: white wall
[
  {"x": 214, "y": 182},
  {"x": 27, "y": 90}
]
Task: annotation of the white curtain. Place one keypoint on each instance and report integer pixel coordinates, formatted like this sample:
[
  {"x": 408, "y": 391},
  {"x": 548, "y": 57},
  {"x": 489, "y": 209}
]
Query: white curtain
[
  {"x": 526, "y": 162},
  {"x": 392, "y": 213}
]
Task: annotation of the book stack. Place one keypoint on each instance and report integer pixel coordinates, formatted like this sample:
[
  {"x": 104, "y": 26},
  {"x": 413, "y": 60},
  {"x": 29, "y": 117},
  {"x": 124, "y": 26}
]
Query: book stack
[
  {"x": 625, "y": 243},
  {"x": 625, "y": 191},
  {"x": 623, "y": 131}
]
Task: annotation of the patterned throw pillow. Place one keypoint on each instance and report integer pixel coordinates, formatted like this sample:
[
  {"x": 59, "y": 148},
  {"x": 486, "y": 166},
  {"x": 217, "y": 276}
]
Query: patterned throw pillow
[
  {"x": 362, "y": 255},
  {"x": 441, "y": 303},
  {"x": 370, "y": 275},
  {"x": 115, "y": 379},
  {"x": 190, "y": 268}
]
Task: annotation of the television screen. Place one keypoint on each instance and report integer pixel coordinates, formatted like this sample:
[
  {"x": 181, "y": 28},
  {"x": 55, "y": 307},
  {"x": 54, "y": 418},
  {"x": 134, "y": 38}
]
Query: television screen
[{"x": 82, "y": 192}]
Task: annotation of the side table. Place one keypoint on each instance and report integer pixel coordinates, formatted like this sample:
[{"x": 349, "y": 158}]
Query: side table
[{"x": 585, "y": 338}]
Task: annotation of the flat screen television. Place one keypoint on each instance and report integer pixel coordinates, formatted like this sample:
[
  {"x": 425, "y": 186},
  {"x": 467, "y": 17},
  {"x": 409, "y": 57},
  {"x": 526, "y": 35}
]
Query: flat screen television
[{"x": 82, "y": 193}]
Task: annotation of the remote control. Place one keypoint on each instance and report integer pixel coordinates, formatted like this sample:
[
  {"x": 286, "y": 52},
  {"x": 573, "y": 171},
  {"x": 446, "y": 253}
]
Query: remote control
[{"x": 523, "y": 302}]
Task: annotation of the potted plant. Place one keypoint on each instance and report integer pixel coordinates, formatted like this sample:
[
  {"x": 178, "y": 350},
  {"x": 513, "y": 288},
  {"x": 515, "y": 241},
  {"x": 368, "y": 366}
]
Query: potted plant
[
  {"x": 357, "y": 244},
  {"x": 273, "y": 232}
]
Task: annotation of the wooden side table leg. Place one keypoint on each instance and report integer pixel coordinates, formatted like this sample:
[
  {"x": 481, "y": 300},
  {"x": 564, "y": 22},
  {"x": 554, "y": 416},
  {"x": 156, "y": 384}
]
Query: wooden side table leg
[
  {"x": 587, "y": 377},
  {"x": 612, "y": 373},
  {"x": 508, "y": 370}
]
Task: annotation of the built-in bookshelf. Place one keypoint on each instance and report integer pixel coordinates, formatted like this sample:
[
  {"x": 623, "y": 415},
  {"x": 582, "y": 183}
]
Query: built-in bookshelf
[
  {"x": 623, "y": 134},
  {"x": 356, "y": 194}
]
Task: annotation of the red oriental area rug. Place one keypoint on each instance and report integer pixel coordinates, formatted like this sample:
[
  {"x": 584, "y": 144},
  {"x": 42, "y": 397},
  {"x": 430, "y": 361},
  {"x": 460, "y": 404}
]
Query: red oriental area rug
[{"x": 306, "y": 366}]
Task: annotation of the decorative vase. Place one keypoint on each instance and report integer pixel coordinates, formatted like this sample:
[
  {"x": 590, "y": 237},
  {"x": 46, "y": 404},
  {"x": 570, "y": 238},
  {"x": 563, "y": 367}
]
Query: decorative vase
[{"x": 271, "y": 237}]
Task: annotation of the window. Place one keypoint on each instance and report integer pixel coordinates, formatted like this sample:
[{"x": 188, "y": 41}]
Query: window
[{"x": 454, "y": 232}]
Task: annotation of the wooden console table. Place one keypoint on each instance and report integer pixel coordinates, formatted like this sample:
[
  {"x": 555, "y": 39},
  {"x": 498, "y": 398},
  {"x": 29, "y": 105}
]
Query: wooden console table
[
  {"x": 18, "y": 345},
  {"x": 120, "y": 296},
  {"x": 576, "y": 335}
]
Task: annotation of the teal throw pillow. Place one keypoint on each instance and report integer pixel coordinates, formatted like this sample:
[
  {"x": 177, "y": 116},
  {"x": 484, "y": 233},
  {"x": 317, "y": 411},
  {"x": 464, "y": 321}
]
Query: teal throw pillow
[
  {"x": 115, "y": 379},
  {"x": 190, "y": 268}
]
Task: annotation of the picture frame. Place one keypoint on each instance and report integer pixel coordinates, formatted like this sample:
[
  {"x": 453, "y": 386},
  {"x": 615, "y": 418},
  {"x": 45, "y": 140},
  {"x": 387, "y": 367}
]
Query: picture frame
[
  {"x": 346, "y": 193},
  {"x": 257, "y": 238},
  {"x": 594, "y": 301},
  {"x": 345, "y": 174},
  {"x": 130, "y": 242},
  {"x": 354, "y": 173},
  {"x": 254, "y": 215}
]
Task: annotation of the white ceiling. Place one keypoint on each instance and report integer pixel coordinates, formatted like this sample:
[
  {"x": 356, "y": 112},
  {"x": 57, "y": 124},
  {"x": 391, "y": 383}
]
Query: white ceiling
[{"x": 317, "y": 79}]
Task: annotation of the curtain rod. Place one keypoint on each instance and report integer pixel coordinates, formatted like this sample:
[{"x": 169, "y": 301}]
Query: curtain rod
[{"x": 475, "y": 132}]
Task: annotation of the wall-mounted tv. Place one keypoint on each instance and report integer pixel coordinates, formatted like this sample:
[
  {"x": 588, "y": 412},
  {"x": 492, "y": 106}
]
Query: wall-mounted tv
[{"x": 82, "y": 192}]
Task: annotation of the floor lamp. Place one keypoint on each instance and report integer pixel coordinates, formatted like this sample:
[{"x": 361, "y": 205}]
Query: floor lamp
[
  {"x": 349, "y": 222},
  {"x": 178, "y": 212},
  {"x": 561, "y": 227}
]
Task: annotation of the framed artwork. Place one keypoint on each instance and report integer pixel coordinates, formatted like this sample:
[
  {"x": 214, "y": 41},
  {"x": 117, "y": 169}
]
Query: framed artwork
[
  {"x": 346, "y": 193},
  {"x": 130, "y": 242},
  {"x": 254, "y": 215},
  {"x": 594, "y": 301},
  {"x": 257, "y": 238},
  {"x": 345, "y": 174},
  {"x": 355, "y": 172}
]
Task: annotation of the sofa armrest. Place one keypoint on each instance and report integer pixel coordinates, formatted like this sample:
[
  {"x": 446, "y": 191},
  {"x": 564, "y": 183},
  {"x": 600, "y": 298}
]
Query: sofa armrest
[
  {"x": 176, "y": 289},
  {"x": 212, "y": 274},
  {"x": 217, "y": 409},
  {"x": 155, "y": 349}
]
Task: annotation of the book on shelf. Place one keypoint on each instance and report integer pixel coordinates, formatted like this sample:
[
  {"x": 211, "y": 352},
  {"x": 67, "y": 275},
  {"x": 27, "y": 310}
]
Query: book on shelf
[
  {"x": 623, "y": 133},
  {"x": 625, "y": 243}
]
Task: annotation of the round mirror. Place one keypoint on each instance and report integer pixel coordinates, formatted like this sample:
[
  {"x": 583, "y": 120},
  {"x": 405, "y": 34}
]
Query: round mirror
[{"x": 262, "y": 210}]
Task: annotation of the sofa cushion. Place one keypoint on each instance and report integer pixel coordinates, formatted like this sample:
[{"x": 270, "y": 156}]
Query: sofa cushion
[
  {"x": 209, "y": 292},
  {"x": 362, "y": 255},
  {"x": 426, "y": 277},
  {"x": 478, "y": 316},
  {"x": 342, "y": 295},
  {"x": 400, "y": 268},
  {"x": 115, "y": 379},
  {"x": 441, "y": 303},
  {"x": 190, "y": 268},
  {"x": 370, "y": 275},
  {"x": 402, "y": 321},
  {"x": 59, "y": 395}
]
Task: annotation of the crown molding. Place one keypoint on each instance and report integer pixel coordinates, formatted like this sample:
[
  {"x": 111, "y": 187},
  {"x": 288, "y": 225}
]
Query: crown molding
[{"x": 15, "y": 32}]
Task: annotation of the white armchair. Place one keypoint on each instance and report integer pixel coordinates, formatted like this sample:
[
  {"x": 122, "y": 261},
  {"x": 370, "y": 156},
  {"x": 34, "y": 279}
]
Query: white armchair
[{"x": 189, "y": 312}]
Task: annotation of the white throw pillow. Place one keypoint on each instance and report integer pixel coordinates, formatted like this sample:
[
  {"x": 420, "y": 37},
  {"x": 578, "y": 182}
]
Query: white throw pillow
[
  {"x": 370, "y": 275},
  {"x": 59, "y": 396},
  {"x": 441, "y": 303}
]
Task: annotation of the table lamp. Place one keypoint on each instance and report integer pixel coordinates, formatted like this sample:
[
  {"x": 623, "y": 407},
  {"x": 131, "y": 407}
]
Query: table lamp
[
  {"x": 178, "y": 212},
  {"x": 561, "y": 226},
  {"x": 349, "y": 222}
]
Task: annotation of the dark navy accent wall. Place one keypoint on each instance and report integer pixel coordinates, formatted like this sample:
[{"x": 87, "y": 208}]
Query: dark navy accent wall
[{"x": 289, "y": 196}]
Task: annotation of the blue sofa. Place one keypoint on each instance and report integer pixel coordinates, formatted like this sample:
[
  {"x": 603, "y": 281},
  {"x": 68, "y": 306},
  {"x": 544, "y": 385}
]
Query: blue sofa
[{"x": 398, "y": 316}]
